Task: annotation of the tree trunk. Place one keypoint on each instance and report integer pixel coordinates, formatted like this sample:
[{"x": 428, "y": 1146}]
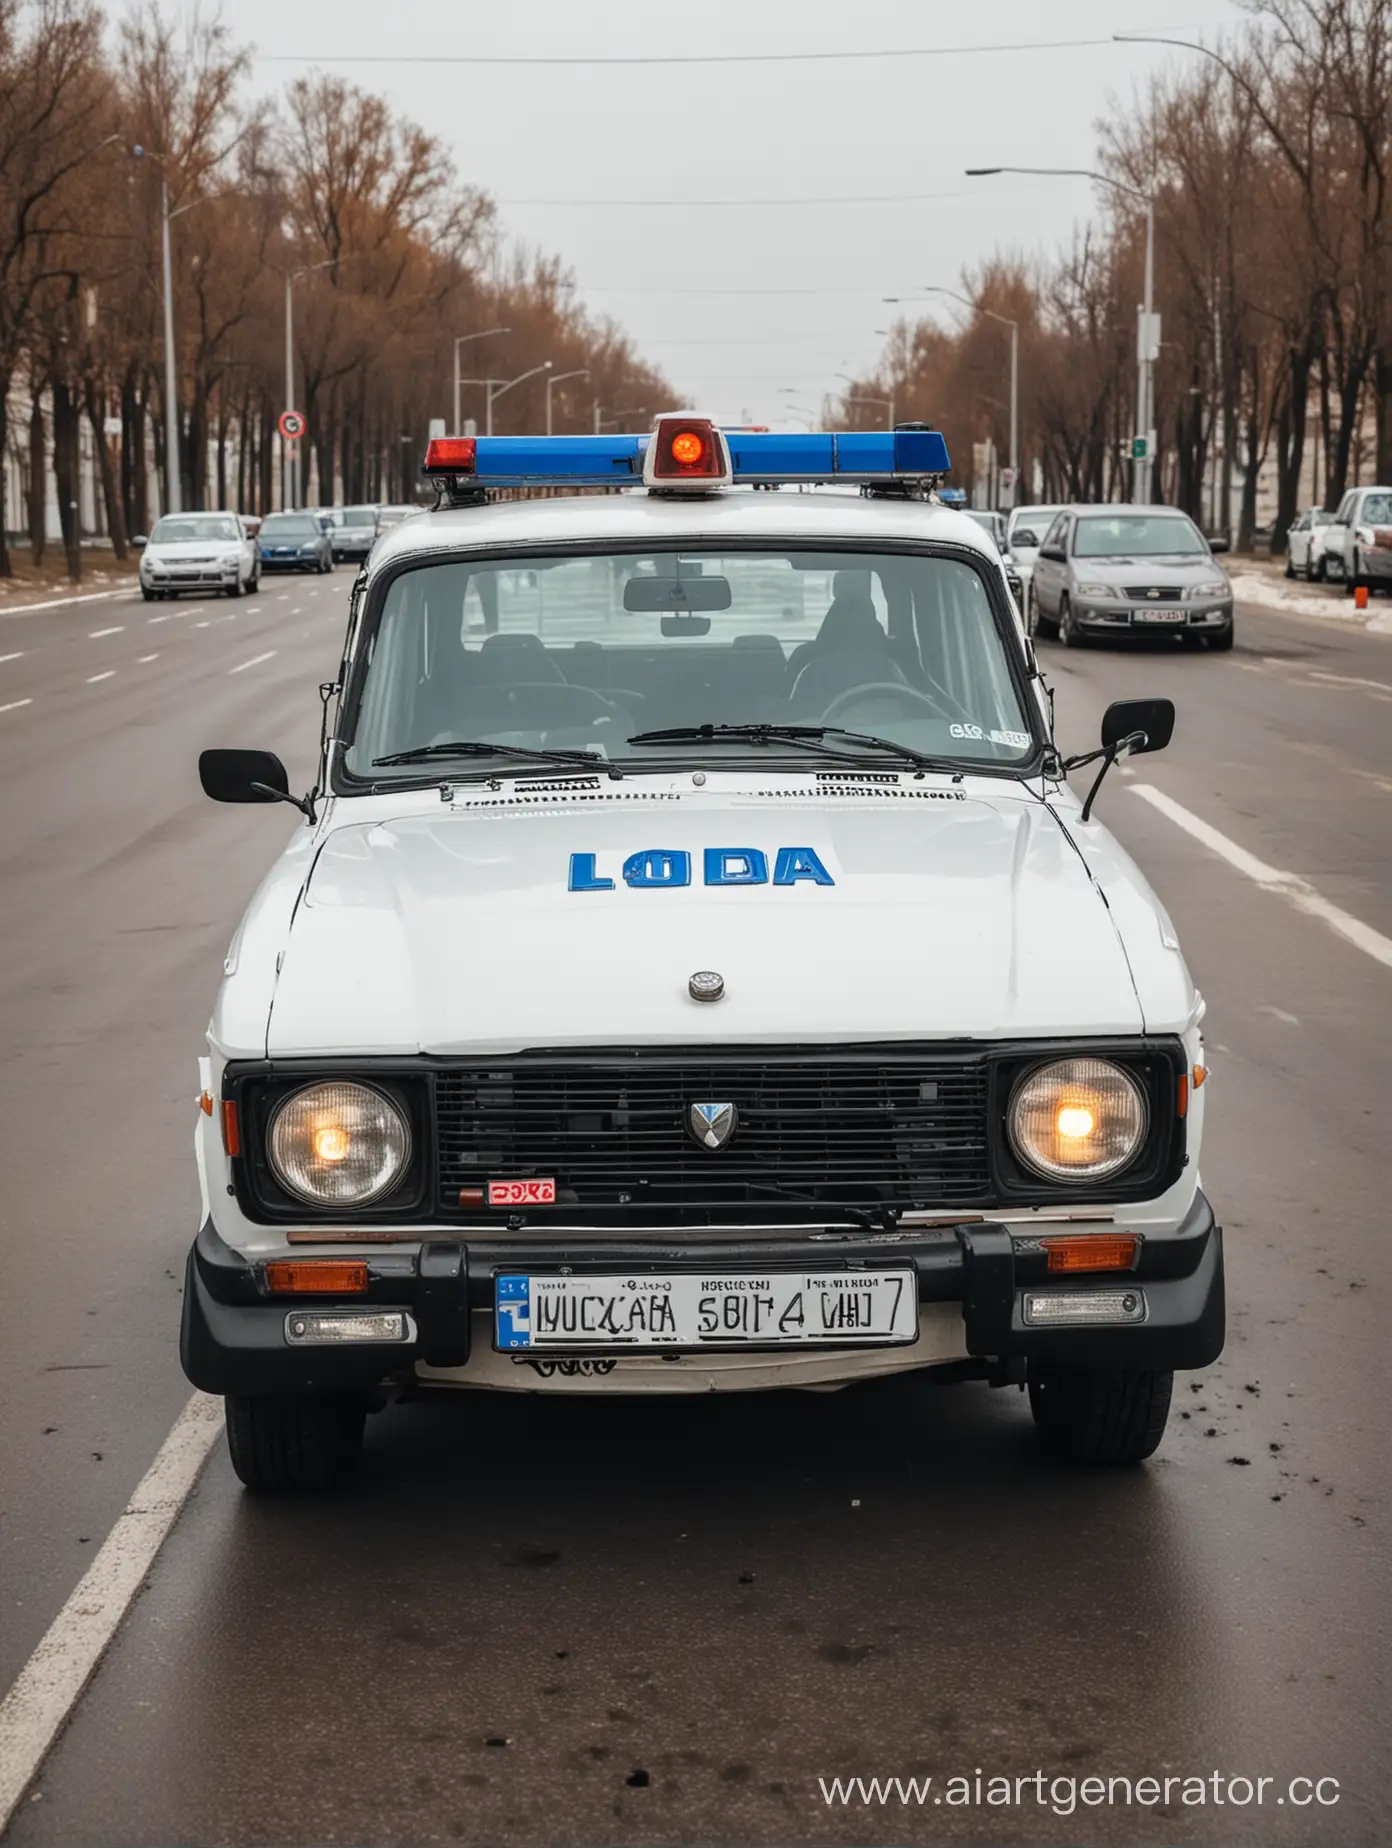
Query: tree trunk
[
  {"x": 6, "y": 565},
  {"x": 38, "y": 477},
  {"x": 1290, "y": 448},
  {"x": 266, "y": 457},
  {"x": 65, "y": 473},
  {"x": 1382, "y": 419},
  {"x": 111, "y": 493},
  {"x": 222, "y": 420}
]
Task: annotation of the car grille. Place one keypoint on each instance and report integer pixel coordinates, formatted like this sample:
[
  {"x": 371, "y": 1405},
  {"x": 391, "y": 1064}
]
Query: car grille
[
  {"x": 1156, "y": 593},
  {"x": 908, "y": 1129}
]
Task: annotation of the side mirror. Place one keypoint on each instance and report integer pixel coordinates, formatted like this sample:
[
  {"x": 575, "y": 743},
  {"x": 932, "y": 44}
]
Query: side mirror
[
  {"x": 1056, "y": 552},
  {"x": 243, "y": 776},
  {"x": 1124, "y": 718},
  {"x": 1219, "y": 542},
  {"x": 140, "y": 541}
]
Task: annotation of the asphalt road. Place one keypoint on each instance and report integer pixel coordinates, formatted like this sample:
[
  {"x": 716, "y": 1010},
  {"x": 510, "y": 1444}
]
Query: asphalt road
[{"x": 537, "y": 1622}]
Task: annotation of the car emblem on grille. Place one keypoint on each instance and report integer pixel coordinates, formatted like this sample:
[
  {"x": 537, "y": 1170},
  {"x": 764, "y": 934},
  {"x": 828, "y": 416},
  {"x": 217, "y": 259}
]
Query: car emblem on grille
[
  {"x": 712, "y": 1124},
  {"x": 1152, "y": 592},
  {"x": 706, "y": 985}
]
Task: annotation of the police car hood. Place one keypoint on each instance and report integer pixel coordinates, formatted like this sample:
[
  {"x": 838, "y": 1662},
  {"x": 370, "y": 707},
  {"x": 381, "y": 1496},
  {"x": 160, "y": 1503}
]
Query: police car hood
[{"x": 492, "y": 927}]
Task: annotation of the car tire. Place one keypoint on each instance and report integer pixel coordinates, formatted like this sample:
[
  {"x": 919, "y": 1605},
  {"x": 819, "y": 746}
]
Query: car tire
[
  {"x": 294, "y": 1442},
  {"x": 234, "y": 589},
  {"x": 1100, "y": 1414},
  {"x": 147, "y": 593},
  {"x": 1290, "y": 567},
  {"x": 1043, "y": 625},
  {"x": 1222, "y": 642},
  {"x": 1068, "y": 632}
]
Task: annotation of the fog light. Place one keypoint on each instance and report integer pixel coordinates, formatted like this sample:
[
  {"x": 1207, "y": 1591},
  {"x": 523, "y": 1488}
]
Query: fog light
[
  {"x": 1067, "y": 1308},
  {"x": 305, "y": 1329}
]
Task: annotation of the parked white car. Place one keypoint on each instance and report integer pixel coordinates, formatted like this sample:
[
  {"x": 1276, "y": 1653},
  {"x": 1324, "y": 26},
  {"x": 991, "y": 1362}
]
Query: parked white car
[
  {"x": 1305, "y": 545},
  {"x": 197, "y": 551},
  {"x": 1359, "y": 539},
  {"x": 693, "y": 971},
  {"x": 1024, "y": 534}
]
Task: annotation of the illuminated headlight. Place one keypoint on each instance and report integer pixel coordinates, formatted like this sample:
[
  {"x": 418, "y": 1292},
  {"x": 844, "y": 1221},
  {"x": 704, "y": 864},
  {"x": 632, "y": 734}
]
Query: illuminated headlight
[
  {"x": 1077, "y": 1119},
  {"x": 338, "y": 1144},
  {"x": 1105, "y": 591}
]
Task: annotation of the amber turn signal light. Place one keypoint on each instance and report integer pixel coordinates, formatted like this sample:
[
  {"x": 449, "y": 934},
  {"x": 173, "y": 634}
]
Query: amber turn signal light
[
  {"x": 315, "y": 1277},
  {"x": 1092, "y": 1251},
  {"x": 231, "y": 1132}
]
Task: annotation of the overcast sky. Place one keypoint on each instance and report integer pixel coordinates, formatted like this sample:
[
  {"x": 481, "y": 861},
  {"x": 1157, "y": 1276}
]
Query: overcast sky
[{"x": 695, "y": 283}]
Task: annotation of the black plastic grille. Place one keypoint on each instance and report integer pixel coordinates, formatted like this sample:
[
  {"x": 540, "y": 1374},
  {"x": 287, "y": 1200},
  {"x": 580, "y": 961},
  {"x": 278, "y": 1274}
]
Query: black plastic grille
[
  {"x": 902, "y": 1129},
  {"x": 1155, "y": 593}
]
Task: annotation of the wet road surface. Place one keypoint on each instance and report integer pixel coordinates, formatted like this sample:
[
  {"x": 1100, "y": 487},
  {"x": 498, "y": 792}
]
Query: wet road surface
[{"x": 542, "y": 1621}]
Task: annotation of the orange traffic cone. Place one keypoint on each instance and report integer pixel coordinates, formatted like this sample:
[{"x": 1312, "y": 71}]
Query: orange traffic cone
[{"x": 1360, "y": 597}]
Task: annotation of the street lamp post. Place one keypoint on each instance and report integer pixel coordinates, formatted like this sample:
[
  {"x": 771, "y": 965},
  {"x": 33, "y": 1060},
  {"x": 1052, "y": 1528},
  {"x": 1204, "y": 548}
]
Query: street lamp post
[
  {"x": 494, "y": 388},
  {"x": 459, "y": 340},
  {"x": 555, "y": 378},
  {"x": 289, "y": 493},
  {"x": 933, "y": 288},
  {"x": 173, "y": 465},
  {"x": 1145, "y": 381}
]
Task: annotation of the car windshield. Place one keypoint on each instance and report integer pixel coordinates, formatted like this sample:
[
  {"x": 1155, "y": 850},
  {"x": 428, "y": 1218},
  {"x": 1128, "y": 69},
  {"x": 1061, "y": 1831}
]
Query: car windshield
[
  {"x": 1137, "y": 535},
  {"x": 1377, "y": 509},
  {"x": 358, "y": 516},
  {"x": 1028, "y": 526},
  {"x": 289, "y": 526},
  {"x": 584, "y": 653},
  {"x": 174, "y": 529}
]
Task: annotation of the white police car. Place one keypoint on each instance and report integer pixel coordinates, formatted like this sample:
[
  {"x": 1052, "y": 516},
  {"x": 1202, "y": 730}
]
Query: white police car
[{"x": 694, "y": 972}]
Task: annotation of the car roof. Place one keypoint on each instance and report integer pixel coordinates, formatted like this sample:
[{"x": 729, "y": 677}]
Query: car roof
[{"x": 639, "y": 518}]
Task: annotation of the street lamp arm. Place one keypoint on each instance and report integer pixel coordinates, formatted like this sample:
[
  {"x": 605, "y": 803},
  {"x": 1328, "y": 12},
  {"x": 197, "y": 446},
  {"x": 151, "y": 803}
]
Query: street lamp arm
[
  {"x": 1064, "y": 173},
  {"x": 522, "y": 378}
]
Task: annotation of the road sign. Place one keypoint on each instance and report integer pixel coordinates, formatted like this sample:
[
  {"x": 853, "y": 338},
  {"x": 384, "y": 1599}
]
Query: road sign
[
  {"x": 1140, "y": 449},
  {"x": 292, "y": 425}
]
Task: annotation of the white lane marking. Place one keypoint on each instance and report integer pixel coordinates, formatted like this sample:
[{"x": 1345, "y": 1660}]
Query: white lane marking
[
  {"x": 169, "y": 616},
  {"x": 297, "y": 611},
  {"x": 15, "y": 705},
  {"x": 285, "y": 598},
  {"x": 1351, "y": 680},
  {"x": 62, "y": 603},
  {"x": 13, "y": 657},
  {"x": 97, "y": 634},
  {"x": 140, "y": 660},
  {"x": 1290, "y": 885},
  {"x": 50, "y": 1684},
  {"x": 255, "y": 661},
  {"x": 253, "y": 609},
  {"x": 201, "y": 625},
  {"x": 1279, "y": 1013},
  {"x": 110, "y": 674}
]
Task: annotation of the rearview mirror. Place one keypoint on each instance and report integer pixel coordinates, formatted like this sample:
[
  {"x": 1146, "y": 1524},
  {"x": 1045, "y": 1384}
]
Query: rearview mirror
[
  {"x": 243, "y": 776},
  {"x": 1219, "y": 542},
  {"x": 1024, "y": 535},
  {"x": 1056, "y": 552},
  {"x": 1154, "y": 718},
  {"x": 140, "y": 540},
  {"x": 676, "y": 595}
]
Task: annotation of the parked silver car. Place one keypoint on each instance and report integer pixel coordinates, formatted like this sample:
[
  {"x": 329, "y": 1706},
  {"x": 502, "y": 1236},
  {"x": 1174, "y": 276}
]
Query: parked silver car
[
  {"x": 1024, "y": 534},
  {"x": 1120, "y": 571},
  {"x": 1305, "y": 545},
  {"x": 1358, "y": 541},
  {"x": 354, "y": 532}
]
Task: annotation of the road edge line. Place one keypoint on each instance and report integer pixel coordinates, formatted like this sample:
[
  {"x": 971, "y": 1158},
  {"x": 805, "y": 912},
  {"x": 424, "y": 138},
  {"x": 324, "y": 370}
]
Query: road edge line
[
  {"x": 1300, "y": 892},
  {"x": 52, "y": 1681},
  {"x": 130, "y": 591}
]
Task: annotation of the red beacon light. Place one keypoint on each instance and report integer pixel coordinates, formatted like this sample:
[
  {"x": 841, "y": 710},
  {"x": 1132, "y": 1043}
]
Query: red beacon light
[
  {"x": 451, "y": 455},
  {"x": 686, "y": 454}
]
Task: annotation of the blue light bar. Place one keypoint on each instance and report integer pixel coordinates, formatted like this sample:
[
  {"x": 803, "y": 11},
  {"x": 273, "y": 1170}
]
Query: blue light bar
[{"x": 608, "y": 461}]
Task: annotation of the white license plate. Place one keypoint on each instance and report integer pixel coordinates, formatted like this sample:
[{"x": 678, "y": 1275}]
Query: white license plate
[
  {"x": 1159, "y": 615},
  {"x": 707, "y": 1309}
]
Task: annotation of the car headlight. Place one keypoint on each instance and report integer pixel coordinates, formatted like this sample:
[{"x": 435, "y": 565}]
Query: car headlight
[
  {"x": 1077, "y": 1119},
  {"x": 1098, "y": 590},
  {"x": 338, "y": 1144},
  {"x": 1217, "y": 588}
]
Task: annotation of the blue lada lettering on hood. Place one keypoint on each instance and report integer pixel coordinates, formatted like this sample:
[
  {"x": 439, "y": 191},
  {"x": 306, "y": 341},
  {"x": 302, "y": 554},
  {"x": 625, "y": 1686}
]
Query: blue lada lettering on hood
[{"x": 651, "y": 868}]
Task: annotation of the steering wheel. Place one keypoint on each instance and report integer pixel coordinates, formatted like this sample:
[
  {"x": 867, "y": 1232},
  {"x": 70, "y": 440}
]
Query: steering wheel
[{"x": 907, "y": 698}]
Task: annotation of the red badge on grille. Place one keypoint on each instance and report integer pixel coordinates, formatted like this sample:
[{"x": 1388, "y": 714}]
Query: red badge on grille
[{"x": 522, "y": 1193}]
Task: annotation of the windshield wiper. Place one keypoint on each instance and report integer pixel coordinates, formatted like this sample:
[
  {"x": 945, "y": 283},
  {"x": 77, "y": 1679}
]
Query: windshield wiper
[
  {"x": 477, "y": 747},
  {"x": 804, "y": 737}
]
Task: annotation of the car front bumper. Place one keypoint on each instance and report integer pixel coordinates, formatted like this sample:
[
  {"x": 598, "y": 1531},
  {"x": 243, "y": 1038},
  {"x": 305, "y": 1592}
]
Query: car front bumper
[
  {"x": 233, "y": 1337},
  {"x": 1115, "y": 619}
]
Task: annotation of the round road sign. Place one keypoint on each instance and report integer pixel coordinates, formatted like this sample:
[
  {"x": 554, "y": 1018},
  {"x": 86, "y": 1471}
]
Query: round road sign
[{"x": 292, "y": 424}]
